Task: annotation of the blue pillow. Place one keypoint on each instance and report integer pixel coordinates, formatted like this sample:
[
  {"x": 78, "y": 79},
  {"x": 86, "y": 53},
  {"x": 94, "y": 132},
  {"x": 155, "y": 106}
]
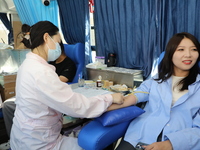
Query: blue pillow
[{"x": 119, "y": 115}]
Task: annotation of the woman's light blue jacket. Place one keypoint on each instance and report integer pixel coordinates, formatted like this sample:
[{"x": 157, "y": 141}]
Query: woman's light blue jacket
[{"x": 180, "y": 123}]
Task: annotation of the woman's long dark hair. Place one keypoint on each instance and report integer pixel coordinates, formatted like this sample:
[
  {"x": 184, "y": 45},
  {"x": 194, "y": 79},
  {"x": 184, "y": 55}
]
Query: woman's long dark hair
[
  {"x": 166, "y": 67},
  {"x": 36, "y": 33}
]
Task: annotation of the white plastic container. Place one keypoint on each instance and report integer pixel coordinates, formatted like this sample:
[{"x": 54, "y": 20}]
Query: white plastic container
[{"x": 100, "y": 59}]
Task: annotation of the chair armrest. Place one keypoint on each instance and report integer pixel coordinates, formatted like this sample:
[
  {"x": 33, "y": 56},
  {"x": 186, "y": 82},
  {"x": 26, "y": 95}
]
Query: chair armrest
[{"x": 95, "y": 136}]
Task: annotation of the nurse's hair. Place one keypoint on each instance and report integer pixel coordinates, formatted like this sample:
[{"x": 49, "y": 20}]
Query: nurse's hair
[
  {"x": 166, "y": 67},
  {"x": 62, "y": 47},
  {"x": 36, "y": 33}
]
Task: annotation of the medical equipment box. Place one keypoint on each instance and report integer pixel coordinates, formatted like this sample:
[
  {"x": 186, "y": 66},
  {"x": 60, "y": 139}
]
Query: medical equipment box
[
  {"x": 7, "y": 86},
  {"x": 118, "y": 75}
]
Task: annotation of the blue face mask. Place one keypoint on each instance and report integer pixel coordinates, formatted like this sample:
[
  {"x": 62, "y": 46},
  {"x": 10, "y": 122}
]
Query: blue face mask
[{"x": 53, "y": 54}]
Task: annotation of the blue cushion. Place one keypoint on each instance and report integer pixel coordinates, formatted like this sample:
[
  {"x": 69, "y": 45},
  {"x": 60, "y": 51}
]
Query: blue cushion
[
  {"x": 94, "y": 136},
  {"x": 77, "y": 53},
  {"x": 119, "y": 115}
]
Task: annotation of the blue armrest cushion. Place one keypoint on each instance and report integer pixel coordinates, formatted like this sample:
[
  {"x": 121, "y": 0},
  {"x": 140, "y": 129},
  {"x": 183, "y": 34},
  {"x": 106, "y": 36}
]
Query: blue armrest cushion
[
  {"x": 119, "y": 115},
  {"x": 94, "y": 136}
]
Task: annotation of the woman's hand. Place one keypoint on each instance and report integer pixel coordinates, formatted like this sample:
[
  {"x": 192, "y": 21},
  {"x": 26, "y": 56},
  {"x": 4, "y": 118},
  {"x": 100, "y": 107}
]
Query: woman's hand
[
  {"x": 165, "y": 145},
  {"x": 118, "y": 98}
]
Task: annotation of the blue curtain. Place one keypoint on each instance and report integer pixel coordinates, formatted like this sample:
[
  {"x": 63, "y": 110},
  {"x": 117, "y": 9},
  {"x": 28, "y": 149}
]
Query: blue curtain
[
  {"x": 32, "y": 11},
  {"x": 175, "y": 16},
  {"x": 138, "y": 30},
  {"x": 178, "y": 16},
  {"x": 74, "y": 20},
  {"x": 127, "y": 28},
  {"x": 7, "y": 24}
]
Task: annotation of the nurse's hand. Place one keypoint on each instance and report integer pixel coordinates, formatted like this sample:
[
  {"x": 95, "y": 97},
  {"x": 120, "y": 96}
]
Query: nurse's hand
[{"x": 118, "y": 98}]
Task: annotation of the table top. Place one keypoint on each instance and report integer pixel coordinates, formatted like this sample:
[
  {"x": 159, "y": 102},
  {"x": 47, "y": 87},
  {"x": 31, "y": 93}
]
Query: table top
[{"x": 71, "y": 122}]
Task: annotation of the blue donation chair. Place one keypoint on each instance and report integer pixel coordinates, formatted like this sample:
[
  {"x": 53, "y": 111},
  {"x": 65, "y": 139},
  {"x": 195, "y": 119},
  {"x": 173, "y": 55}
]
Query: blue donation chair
[
  {"x": 77, "y": 53},
  {"x": 108, "y": 128}
]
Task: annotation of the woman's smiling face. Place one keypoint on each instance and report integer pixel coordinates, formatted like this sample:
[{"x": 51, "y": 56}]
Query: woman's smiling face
[{"x": 184, "y": 57}]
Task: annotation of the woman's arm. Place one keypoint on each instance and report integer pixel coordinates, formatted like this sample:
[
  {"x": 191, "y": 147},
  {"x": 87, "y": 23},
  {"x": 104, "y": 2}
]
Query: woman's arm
[
  {"x": 63, "y": 78},
  {"x": 128, "y": 101},
  {"x": 188, "y": 138}
]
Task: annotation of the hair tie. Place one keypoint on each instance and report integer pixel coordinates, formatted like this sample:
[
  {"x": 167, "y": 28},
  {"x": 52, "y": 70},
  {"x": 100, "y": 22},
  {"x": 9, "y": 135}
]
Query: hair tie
[{"x": 28, "y": 33}]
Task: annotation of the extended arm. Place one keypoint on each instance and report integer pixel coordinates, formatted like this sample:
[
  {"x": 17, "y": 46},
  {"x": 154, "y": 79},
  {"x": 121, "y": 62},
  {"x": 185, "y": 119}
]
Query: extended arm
[{"x": 128, "y": 101}]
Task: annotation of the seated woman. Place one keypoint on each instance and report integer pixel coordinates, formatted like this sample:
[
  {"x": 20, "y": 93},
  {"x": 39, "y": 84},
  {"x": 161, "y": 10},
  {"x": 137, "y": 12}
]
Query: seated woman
[{"x": 172, "y": 117}]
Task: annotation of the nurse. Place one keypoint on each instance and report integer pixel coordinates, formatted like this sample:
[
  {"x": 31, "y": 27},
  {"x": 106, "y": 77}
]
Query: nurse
[
  {"x": 65, "y": 69},
  {"x": 41, "y": 98},
  {"x": 172, "y": 117}
]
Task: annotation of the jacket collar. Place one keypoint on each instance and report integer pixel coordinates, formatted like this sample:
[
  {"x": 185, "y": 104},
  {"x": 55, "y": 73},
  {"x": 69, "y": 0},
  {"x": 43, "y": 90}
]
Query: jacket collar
[{"x": 36, "y": 57}]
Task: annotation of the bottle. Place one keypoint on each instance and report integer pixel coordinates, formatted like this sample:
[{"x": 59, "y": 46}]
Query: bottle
[
  {"x": 105, "y": 84},
  {"x": 81, "y": 82},
  {"x": 99, "y": 84}
]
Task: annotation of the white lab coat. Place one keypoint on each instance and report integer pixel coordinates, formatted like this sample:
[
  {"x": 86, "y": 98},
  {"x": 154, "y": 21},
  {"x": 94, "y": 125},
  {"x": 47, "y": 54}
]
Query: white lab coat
[{"x": 41, "y": 98}]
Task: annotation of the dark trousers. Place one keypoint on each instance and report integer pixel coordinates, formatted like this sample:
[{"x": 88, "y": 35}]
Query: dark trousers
[
  {"x": 8, "y": 114},
  {"x": 111, "y": 146},
  {"x": 127, "y": 146}
]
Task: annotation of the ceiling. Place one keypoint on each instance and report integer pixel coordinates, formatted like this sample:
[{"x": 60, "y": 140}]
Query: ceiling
[{"x": 7, "y": 6}]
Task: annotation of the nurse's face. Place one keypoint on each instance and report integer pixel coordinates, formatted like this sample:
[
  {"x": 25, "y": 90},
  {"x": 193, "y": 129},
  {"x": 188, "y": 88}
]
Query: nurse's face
[
  {"x": 184, "y": 57},
  {"x": 52, "y": 40}
]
